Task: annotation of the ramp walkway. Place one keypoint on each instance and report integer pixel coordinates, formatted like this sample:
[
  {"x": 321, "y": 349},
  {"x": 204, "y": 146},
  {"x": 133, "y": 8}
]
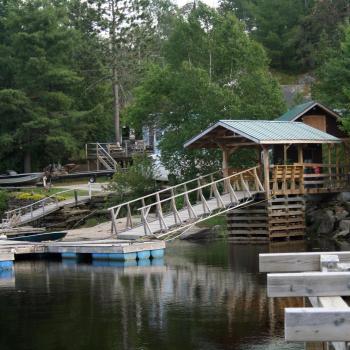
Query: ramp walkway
[
  {"x": 32, "y": 212},
  {"x": 176, "y": 208}
]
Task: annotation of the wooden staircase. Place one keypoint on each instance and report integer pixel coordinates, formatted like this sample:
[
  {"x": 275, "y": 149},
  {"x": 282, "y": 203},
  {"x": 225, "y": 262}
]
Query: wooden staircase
[{"x": 102, "y": 155}]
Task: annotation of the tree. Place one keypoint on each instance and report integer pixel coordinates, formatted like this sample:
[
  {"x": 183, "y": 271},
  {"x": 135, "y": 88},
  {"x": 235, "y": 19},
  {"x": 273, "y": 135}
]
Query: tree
[
  {"x": 214, "y": 71},
  {"x": 273, "y": 23},
  {"x": 333, "y": 79},
  {"x": 126, "y": 27},
  {"x": 319, "y": 31},
  {"x": 137, "y": 181},
  {"x": 47, "y": 110},
  {"x": 181, "y": 102}
]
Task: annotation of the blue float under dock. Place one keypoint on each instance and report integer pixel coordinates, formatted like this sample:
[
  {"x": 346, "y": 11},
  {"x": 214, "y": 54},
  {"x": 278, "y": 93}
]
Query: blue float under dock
[
  {"x": 101, "y": 250},
  {"x": 6, "y": 261}
]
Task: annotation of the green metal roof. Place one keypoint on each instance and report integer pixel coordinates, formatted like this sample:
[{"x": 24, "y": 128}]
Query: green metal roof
[
  {"x": 296, "y": 111},
  {"x": 271, "y": 132}
]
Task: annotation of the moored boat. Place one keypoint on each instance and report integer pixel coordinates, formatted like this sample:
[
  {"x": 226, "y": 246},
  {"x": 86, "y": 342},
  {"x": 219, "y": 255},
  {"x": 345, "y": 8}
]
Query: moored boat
[
  {"x": 14, "y": 179},
  {"x": 39, "y": 237}
]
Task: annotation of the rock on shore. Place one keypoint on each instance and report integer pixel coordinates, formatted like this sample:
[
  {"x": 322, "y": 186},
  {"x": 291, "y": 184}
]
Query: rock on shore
[{"x": 329, "y": 218}]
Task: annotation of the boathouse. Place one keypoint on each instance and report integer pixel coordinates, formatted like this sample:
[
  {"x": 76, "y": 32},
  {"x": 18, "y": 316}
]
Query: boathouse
[{"x": 303, "y": 152}]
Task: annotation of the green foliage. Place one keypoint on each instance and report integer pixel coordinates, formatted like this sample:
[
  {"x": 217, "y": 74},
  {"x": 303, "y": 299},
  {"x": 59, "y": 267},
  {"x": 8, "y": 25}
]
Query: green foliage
[
  {"x": 295, "y": 33},
  {"x": 3, "y": 201},
  {"x": 214, "y": 71},
  {"x": 137, "y": 181},
  {"x": 29, "y": 196},
  {"x": 333, "y": 83},
  {"x": 44, "y": 103},
  {"x": 220, "y": 220}
]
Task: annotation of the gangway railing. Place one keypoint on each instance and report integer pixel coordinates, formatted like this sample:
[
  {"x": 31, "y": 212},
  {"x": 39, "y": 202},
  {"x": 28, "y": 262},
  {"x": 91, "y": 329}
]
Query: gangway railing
[
  {"x": 30, "y": 212},
  {"x": 179, "y": 203}
]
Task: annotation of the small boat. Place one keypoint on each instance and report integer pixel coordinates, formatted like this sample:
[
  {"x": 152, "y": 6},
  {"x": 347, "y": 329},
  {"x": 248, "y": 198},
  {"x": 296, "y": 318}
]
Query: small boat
[
  {"x": 14, "y": 179},
  {"x": 39, "y": 237}
]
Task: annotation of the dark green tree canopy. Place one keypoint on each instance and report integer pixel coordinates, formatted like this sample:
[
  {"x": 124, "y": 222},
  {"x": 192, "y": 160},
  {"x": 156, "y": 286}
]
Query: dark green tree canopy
[{"x": 214, "y": 71}]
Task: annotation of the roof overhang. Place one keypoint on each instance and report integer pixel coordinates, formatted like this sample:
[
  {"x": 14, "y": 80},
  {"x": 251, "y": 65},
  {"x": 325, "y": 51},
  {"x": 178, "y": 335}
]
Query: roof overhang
[
  {"x": 209, "y": 138},
  {"x": 329, "y": 111}
]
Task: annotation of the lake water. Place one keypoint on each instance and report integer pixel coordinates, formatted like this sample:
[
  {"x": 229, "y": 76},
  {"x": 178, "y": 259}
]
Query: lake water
[{"x": 206, "y": 295}]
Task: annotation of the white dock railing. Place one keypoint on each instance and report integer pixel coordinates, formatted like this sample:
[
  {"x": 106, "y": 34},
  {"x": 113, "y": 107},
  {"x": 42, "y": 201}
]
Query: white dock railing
[
  {"x": 40, "y": 208},
  {"x": 180, "y": 198},
  {"x": 324, "y": 279}
]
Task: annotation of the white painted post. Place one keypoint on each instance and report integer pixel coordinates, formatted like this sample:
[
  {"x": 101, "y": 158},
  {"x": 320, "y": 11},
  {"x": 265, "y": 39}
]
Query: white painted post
[{"x": 90, "y": 189}]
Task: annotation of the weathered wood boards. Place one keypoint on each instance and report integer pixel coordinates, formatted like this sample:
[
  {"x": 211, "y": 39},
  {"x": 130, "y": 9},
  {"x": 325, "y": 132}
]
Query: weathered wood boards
[
  {"x": 294, "y": 262},
  {"x": 308, "y": 284},
  {"x": 104, "y": 248},
  {"x": 329, "y": 319},
  {"x": 317, "y": 324}
]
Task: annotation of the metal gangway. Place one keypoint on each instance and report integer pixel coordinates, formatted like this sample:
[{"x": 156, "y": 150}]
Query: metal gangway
[
  {"x": 177, "y": 208},
  {"x": 37, "y": 210}
]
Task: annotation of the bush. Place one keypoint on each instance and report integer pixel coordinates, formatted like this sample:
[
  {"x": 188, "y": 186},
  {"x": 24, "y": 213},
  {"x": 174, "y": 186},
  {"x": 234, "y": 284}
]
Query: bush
[
  {"x": 29, "y": 196},
  {"x": 137, "y": 181},
  {"x": 3, "y": 201}
]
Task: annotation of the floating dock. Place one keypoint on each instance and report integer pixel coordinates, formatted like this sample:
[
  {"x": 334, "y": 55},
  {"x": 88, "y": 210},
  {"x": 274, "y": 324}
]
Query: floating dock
[{"x": 117, "y": 250}]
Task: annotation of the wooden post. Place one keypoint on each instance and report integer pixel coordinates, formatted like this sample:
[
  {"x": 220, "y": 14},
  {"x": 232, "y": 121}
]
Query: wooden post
[
  {"x": 337, "y": 154},
  {"x": 225, "y": 158},
  {"x": 266, "y": 162},
  {"x": 300, "y": 154},
  {"x": 285, "y": 154},
  {"x": 330, "y": 162}
]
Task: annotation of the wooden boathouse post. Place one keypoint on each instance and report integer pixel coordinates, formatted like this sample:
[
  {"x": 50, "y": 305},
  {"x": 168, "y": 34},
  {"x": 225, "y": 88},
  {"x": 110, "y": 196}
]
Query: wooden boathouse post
[
  {"x": 225, "y": 159},
  {"x": 300, "y": 154},
  {"x": 266, "y": 163}
]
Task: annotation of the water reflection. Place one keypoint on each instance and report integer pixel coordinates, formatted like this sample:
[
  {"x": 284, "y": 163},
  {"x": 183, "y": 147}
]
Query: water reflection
[{"x": 202, "y": 296}]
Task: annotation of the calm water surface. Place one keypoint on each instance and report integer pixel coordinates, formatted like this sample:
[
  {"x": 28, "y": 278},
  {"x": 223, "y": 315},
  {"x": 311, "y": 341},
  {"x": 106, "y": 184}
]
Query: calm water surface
[{"x": 202, "y": 296}]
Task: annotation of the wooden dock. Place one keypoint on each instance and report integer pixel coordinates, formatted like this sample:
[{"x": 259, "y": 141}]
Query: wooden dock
[
  {"x": 324, "y": 279},
  {"x": 102, "y": 249}
]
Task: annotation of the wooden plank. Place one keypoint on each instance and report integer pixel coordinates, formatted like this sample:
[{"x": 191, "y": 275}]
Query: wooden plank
[
  {"x": 252, "y": 225},
  {"x": 7, "y": 256},
  {"x": 286, "y": 213},
  {"x": 308, "y": 284},
  {"x": 247, "y": 218},
  {"x": 317, "y": 324},
  {"x": 294, "y": 262},
  {"x": 286, "y": 199},
  {"x": 249, "y": 232}
]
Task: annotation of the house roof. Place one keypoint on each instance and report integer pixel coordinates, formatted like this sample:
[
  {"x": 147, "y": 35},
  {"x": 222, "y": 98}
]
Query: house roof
[
  {"x": 297, "y": 111},
  {"x": 264, "y": 132}
]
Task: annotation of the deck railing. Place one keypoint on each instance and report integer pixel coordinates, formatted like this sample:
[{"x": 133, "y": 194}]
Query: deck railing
[
  {"x": 181, "y": 197},
  {"x": 309, "y": 178}
]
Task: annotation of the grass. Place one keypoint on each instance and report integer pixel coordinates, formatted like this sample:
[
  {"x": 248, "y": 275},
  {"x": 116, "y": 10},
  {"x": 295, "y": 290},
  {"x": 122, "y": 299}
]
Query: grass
[
  {"x": 68, "y": 182},
  {"x": 215, "y": 221},
  {"x": 39, "y": 191}
]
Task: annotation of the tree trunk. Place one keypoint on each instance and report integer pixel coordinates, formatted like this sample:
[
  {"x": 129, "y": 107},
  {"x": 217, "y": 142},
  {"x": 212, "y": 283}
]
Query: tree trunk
[
  {"x": 27, "y": 162},
  {"x": 115, "y": 85},
  {"x": 116, "y": 106}
]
